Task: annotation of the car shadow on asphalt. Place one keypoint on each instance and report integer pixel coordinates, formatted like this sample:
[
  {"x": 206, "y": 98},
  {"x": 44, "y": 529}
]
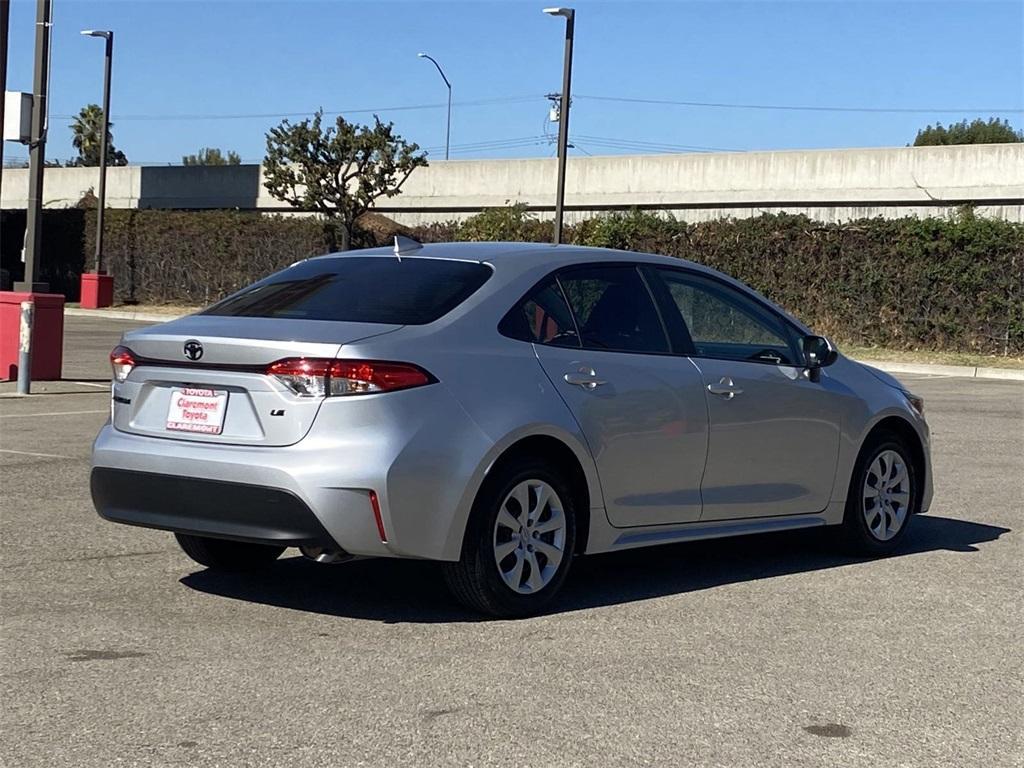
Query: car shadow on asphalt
[{"x": 410, "y": 591}]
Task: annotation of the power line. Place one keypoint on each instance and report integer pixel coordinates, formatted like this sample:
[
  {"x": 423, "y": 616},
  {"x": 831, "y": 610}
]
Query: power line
[
  {"x": 514, "y": 140},
  {"x": 584, "y": 139},
  {"x": 271, "y": 115},
  {"x": 484, "y": 146},
  {"x": 536, "y": 97},
  {"x": 798, "y": 107},
  {"x": 480, "y": 146},
  {"x": 640, "y": 149},
  {"x": 642, "y": 144}
]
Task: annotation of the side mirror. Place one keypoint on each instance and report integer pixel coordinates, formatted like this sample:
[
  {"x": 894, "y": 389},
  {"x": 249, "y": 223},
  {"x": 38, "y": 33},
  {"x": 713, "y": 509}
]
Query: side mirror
[{"x": 818, "y": 352}]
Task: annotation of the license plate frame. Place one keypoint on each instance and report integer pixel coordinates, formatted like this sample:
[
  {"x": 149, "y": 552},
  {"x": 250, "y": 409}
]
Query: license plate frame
[{"x": 197, "y": 410}]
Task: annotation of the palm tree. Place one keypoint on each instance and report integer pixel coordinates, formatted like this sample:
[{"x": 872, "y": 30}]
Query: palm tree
[{"x": 86, "y": 132}]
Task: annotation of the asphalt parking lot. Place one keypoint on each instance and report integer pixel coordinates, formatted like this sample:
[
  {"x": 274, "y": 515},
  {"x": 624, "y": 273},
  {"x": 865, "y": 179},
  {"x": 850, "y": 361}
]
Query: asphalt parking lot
[{"x": 763, "y": 651}]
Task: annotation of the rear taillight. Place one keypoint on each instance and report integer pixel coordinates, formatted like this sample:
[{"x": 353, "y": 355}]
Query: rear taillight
[
  {"x": 321, "y": 378},
  {"x": 122, "y": 360}
]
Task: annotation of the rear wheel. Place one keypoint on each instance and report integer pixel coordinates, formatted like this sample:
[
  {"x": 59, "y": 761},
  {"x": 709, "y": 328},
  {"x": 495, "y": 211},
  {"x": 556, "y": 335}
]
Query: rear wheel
[
  {"x": 882, "y": 499},
  {"x": 519, "y": 542},
  {"x": 227, "y": 555}
]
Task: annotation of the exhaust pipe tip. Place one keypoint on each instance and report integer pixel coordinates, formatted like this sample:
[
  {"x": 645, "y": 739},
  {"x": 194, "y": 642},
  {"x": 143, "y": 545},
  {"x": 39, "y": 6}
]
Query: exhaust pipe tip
[{"x": 326, "y": 556}]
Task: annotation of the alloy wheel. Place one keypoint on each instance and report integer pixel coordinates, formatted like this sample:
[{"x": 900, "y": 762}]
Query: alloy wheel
[
  {"x": 886, "y": 495},
  {"x": 529, "y": 536}
]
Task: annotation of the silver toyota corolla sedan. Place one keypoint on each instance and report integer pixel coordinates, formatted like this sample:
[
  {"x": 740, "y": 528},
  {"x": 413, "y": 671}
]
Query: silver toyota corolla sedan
[{"x": 500, "y": 408}]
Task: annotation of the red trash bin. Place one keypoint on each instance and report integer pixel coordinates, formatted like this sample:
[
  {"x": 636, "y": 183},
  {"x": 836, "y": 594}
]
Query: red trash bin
[{"x": 47, "y": 334}]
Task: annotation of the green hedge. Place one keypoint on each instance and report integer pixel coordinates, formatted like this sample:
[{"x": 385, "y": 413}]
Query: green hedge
[
  {"x": 935, "y": 284},
  {"x": 196, "y": 257}
]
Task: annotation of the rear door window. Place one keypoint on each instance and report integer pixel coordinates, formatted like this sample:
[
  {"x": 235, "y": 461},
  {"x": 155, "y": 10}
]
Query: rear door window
[
  {"x": 360, "y": 289},
  {"x": 613, "y": 309},
  {"x": 542, "y": 317}
]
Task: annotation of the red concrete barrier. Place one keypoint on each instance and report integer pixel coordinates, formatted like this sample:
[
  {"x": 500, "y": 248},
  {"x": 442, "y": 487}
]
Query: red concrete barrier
[
  {"x": 47, "y": 334},
  {"x": 97, "y": 290}
]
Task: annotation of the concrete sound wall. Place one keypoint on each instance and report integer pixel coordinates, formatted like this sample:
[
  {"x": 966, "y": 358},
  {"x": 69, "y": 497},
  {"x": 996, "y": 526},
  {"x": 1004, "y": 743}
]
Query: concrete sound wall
[{"x": 827, "y": 185}]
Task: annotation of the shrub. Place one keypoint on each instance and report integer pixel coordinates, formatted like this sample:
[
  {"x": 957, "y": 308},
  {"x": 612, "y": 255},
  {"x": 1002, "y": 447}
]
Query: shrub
[
  {"x": 197, "y": 257},
  {"x": 511, "y": 223},
  {"x": 634, "y": 230},
  {"x": 940, "y": 284}
]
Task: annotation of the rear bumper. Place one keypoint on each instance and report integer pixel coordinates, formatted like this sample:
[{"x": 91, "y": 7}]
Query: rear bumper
[
  {"x": 417, "y": 450},
  {"x": 213, "y": 508}
]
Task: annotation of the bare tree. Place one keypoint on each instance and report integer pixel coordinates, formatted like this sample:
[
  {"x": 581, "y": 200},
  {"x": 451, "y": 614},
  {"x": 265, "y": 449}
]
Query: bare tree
[{"x": 340, "y": 170}]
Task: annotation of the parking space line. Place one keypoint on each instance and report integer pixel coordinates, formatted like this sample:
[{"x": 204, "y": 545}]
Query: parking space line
[
  {"x": 31, "y": 453},
  {"x": 49, "y": 413}
]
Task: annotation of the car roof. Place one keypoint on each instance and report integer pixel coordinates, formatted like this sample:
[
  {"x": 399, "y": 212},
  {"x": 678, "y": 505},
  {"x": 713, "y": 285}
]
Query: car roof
[
  {"x": 515, "y": 259},
  {"x": 520, "y": 256}
]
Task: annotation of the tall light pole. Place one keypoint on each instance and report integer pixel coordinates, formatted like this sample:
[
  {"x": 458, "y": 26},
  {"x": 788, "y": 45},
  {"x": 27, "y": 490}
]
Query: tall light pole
[
  {"x": 37, "y": 151},
  {"x": 563, "y": 114},
  {"x": 107, "y": 35},
  {"x": 448, "y": 130},
  {"x": 5, "y": 20}
]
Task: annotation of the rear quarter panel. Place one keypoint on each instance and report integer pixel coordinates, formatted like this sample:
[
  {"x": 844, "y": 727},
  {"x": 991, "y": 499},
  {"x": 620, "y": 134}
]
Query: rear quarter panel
[{"x": 502, "y": 389}]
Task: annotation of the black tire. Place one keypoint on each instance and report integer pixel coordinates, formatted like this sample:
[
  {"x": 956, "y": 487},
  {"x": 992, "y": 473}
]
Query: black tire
[
  {"x": 856, "y": 535},
  {"x": 475, "y": 579},
  {"x": 225, "y": 555}
]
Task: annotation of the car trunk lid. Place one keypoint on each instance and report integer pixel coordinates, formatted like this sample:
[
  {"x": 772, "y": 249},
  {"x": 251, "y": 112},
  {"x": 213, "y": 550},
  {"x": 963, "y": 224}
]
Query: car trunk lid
[{"x": 203, "y": 378}]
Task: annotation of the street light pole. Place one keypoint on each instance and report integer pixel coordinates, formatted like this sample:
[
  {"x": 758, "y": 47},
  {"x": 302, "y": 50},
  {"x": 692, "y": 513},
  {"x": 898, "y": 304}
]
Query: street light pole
[
  {"x": 37, "y": 151},
  {"x": 108, "y": 35},
  {"x": 5, "y": 19},
  {"x": 563, "y": 114},
  {"x": 448, "y": 130}
]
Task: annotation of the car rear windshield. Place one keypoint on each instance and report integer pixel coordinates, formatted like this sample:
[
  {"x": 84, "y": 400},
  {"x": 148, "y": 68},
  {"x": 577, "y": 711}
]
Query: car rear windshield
[{"x": 360, "y": 289}]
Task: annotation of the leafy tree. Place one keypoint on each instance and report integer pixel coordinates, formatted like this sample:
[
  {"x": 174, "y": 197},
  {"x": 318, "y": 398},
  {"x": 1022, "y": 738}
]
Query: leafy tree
[
  {"x": 87, "y": 130},
  {"x": 212, "y": 156},
  {"x": 978, "y": 131},
  {"x": 339, "y": 170}
]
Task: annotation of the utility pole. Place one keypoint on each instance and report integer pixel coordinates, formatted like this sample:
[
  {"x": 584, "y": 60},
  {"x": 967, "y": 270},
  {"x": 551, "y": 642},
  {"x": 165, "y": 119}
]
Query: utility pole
[
  {"x": 563, "y": 114},
  {"x": 107, "y": 35},
  {"x": 37, "y": 152},
  {"x": 5, "y": 22}
]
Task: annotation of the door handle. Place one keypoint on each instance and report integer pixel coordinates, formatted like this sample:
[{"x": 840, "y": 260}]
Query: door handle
[
  {"x": 584, "y": 377},
  {"x": 725, "y": 388}
]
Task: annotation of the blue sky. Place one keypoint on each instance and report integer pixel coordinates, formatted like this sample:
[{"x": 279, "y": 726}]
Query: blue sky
[{"x": 242, "y": 58}]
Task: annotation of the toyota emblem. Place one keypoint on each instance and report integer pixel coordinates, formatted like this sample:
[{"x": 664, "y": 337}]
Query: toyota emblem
[{"x": 193, "y": 349}]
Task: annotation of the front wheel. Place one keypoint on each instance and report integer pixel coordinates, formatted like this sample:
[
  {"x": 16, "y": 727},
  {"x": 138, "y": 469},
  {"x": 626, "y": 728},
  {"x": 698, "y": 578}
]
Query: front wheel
[
  {"x": 227, "y": 555},
  {"x": 882, "y": 499},
  {"x": 519, "y": 542}
]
